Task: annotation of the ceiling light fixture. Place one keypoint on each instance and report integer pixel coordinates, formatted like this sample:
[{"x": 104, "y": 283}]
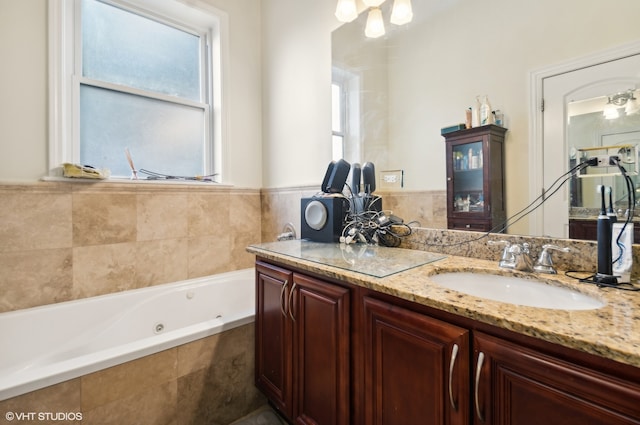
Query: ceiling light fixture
[
  {"x": 346, "y": 10},
  {"x": 401, "y": 13},
  {"x": 618, "y": 100},
  {"x": 375, "y": 24}
]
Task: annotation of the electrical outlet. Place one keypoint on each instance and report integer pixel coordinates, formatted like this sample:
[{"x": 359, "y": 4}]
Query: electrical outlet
[{"x": 604, "y": 160}]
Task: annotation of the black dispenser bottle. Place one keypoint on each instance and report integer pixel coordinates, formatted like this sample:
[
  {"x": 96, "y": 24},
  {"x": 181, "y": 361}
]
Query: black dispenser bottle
[{"x": 605, "y": 266}]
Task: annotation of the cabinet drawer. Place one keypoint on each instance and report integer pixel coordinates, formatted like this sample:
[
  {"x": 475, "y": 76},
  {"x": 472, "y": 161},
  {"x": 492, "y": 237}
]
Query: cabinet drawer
[{"x": 477, "y": 225}]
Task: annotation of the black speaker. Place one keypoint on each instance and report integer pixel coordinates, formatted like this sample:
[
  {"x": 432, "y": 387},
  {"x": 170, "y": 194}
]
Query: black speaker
[
  {"x": 356, "y": 173},
  {"x": 322, "y": 218},
  {"x": 369, "y": 177},
  {"x": 336, "y": 176}
]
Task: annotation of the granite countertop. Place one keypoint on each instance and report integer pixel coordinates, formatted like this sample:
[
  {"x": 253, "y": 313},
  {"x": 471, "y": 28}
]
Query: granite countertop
[{"x": 612, "y": 331}]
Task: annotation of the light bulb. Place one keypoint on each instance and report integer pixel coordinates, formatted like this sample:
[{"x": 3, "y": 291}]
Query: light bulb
[
  {"x": 346, "y": 10},
  {"x": 632, "y": 107},
  {"x": 610, "y": 111},
  {"x": 402, "y": 12},
  {"x": 375, "y": 25},
  {"x": 373, "y": 3}
]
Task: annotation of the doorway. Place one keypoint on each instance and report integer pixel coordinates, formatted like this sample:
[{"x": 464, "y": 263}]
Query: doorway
[{"x": 558, "y": 93}]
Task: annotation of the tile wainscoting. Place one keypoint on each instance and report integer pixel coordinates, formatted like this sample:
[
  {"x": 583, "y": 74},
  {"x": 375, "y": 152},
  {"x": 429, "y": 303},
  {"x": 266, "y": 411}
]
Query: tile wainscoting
[{"x": 68, "y": 240}]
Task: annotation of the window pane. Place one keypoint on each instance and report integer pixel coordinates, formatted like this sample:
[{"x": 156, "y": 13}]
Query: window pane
[
  {"x": 163, "y": 137},
  {"x": 337, "y": 151},
  {"x": 336, "y": 108},
  {"x": 124, "y": 48}
]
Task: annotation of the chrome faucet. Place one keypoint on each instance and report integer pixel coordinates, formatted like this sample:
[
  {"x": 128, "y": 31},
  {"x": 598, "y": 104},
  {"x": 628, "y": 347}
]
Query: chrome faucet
[
  {"x": 545, "y": 263},
  {"x": 515, "y": 256},
  {"x": 521, "y": 257},
  {"x": 507, "y": 258}
]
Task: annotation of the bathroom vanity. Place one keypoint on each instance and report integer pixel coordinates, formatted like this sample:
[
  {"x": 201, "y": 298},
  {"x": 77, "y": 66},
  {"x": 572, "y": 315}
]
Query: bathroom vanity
[{"x": 364, "y": 336}]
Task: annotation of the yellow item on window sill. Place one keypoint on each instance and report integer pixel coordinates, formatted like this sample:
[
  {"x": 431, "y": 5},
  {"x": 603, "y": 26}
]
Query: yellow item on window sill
[{"x": 84, "y": 171}]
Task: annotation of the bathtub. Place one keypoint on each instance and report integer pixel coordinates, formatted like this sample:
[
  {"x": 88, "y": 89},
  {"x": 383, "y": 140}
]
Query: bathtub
[{"x": 45, "y": 345}]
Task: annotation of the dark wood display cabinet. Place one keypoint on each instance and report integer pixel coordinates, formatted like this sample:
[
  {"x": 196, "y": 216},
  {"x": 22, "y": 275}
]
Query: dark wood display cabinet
[
  {"x": 331, "y": 353},
  {"x": 475, "y": 178}
]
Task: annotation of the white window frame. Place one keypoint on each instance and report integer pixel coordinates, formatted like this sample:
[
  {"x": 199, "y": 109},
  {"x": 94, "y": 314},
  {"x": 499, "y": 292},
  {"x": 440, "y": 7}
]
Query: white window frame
[{"x": 65, "y": 76}]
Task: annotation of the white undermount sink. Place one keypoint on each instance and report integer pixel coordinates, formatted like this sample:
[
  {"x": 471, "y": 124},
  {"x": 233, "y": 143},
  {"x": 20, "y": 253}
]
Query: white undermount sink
[{"x": 517, "y": 290}]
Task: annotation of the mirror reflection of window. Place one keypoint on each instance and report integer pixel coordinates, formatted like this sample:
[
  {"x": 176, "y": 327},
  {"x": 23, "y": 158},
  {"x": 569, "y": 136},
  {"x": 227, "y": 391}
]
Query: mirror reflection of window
[
  {"x": 337, "y": 120},
  {"x": 346, "y": 118}
]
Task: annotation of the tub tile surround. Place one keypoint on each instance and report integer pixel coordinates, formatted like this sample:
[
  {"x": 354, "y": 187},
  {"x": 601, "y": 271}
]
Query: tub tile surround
[
  {"x": 208, "y": 381},
  {"x": 61, "y": 241}
]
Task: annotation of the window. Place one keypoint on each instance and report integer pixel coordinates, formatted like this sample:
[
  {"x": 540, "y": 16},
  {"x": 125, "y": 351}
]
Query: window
[
  {"x": 137, "y": 80},
  {"x": 345, "y": 109},
  {"x": 337, "y": 121}
]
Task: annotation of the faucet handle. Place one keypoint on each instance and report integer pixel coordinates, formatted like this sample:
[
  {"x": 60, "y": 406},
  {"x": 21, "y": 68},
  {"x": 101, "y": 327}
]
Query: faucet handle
[
  {"x": 545, "y": 262},
  {"x": 506, "y": 260}
]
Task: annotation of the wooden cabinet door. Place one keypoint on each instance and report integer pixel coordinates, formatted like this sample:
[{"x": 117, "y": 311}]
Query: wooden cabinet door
[
  {"x": 320, "y": 313},
  {"x": 273, "y": 335},
  {"x": 519, "y": 386},
  {"x": 416, "y": 368}
]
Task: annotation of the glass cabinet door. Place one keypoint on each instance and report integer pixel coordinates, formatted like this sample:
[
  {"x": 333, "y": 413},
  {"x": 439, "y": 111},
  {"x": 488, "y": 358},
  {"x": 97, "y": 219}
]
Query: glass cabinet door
[{"x": 468, "y": 177}]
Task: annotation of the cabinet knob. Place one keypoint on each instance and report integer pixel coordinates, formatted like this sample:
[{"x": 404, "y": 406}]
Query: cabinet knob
[{"x": 468, "y": 226}]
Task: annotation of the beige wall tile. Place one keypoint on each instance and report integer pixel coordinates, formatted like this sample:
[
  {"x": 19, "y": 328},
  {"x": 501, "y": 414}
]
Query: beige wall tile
[
  {"x": 203, "y": 353},
  {"x": 128, "y": 379},
  {"x": 63, "y": 397},
  {"x": 210, "y": 255},
  {"x": 279, "y": 207},
  {"x": 32, "y": 278},
  {"x": 197, "y": 355},
  {"x": 103, "y": 269},
  {"x": 429, "y": 208},
  {"x": 240, "y": 258},
  {"x": 208, "y": 213},
  {"x": 154, "y": 405},
  {"x": 161, "y": 261},
  {"x": 34, "y": 220},
  {"x": 225, "y": 390},
  {"x": 162, "y": 215},
  {"x": 103, "y": 218}
]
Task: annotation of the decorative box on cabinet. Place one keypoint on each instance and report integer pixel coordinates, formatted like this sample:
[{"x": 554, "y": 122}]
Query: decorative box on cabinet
[
  {"x": 475, "y": 178},
  {"x": 303, "y": 346}
]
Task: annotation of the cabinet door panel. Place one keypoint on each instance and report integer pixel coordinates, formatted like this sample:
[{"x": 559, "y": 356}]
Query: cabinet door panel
[
  {"x": 408, "y": 374},
  {"x": 519, "y": 386},
  {"x": 321, "y": 357},
  {"x": 273, "y": 336}
]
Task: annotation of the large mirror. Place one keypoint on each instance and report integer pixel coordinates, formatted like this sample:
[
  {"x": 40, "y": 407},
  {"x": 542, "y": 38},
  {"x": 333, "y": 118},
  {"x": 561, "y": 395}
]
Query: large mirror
[{"x": 399, "y": 90}]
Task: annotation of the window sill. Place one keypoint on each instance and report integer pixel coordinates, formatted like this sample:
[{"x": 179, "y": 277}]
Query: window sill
[{"x": 139, "y": 181}]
